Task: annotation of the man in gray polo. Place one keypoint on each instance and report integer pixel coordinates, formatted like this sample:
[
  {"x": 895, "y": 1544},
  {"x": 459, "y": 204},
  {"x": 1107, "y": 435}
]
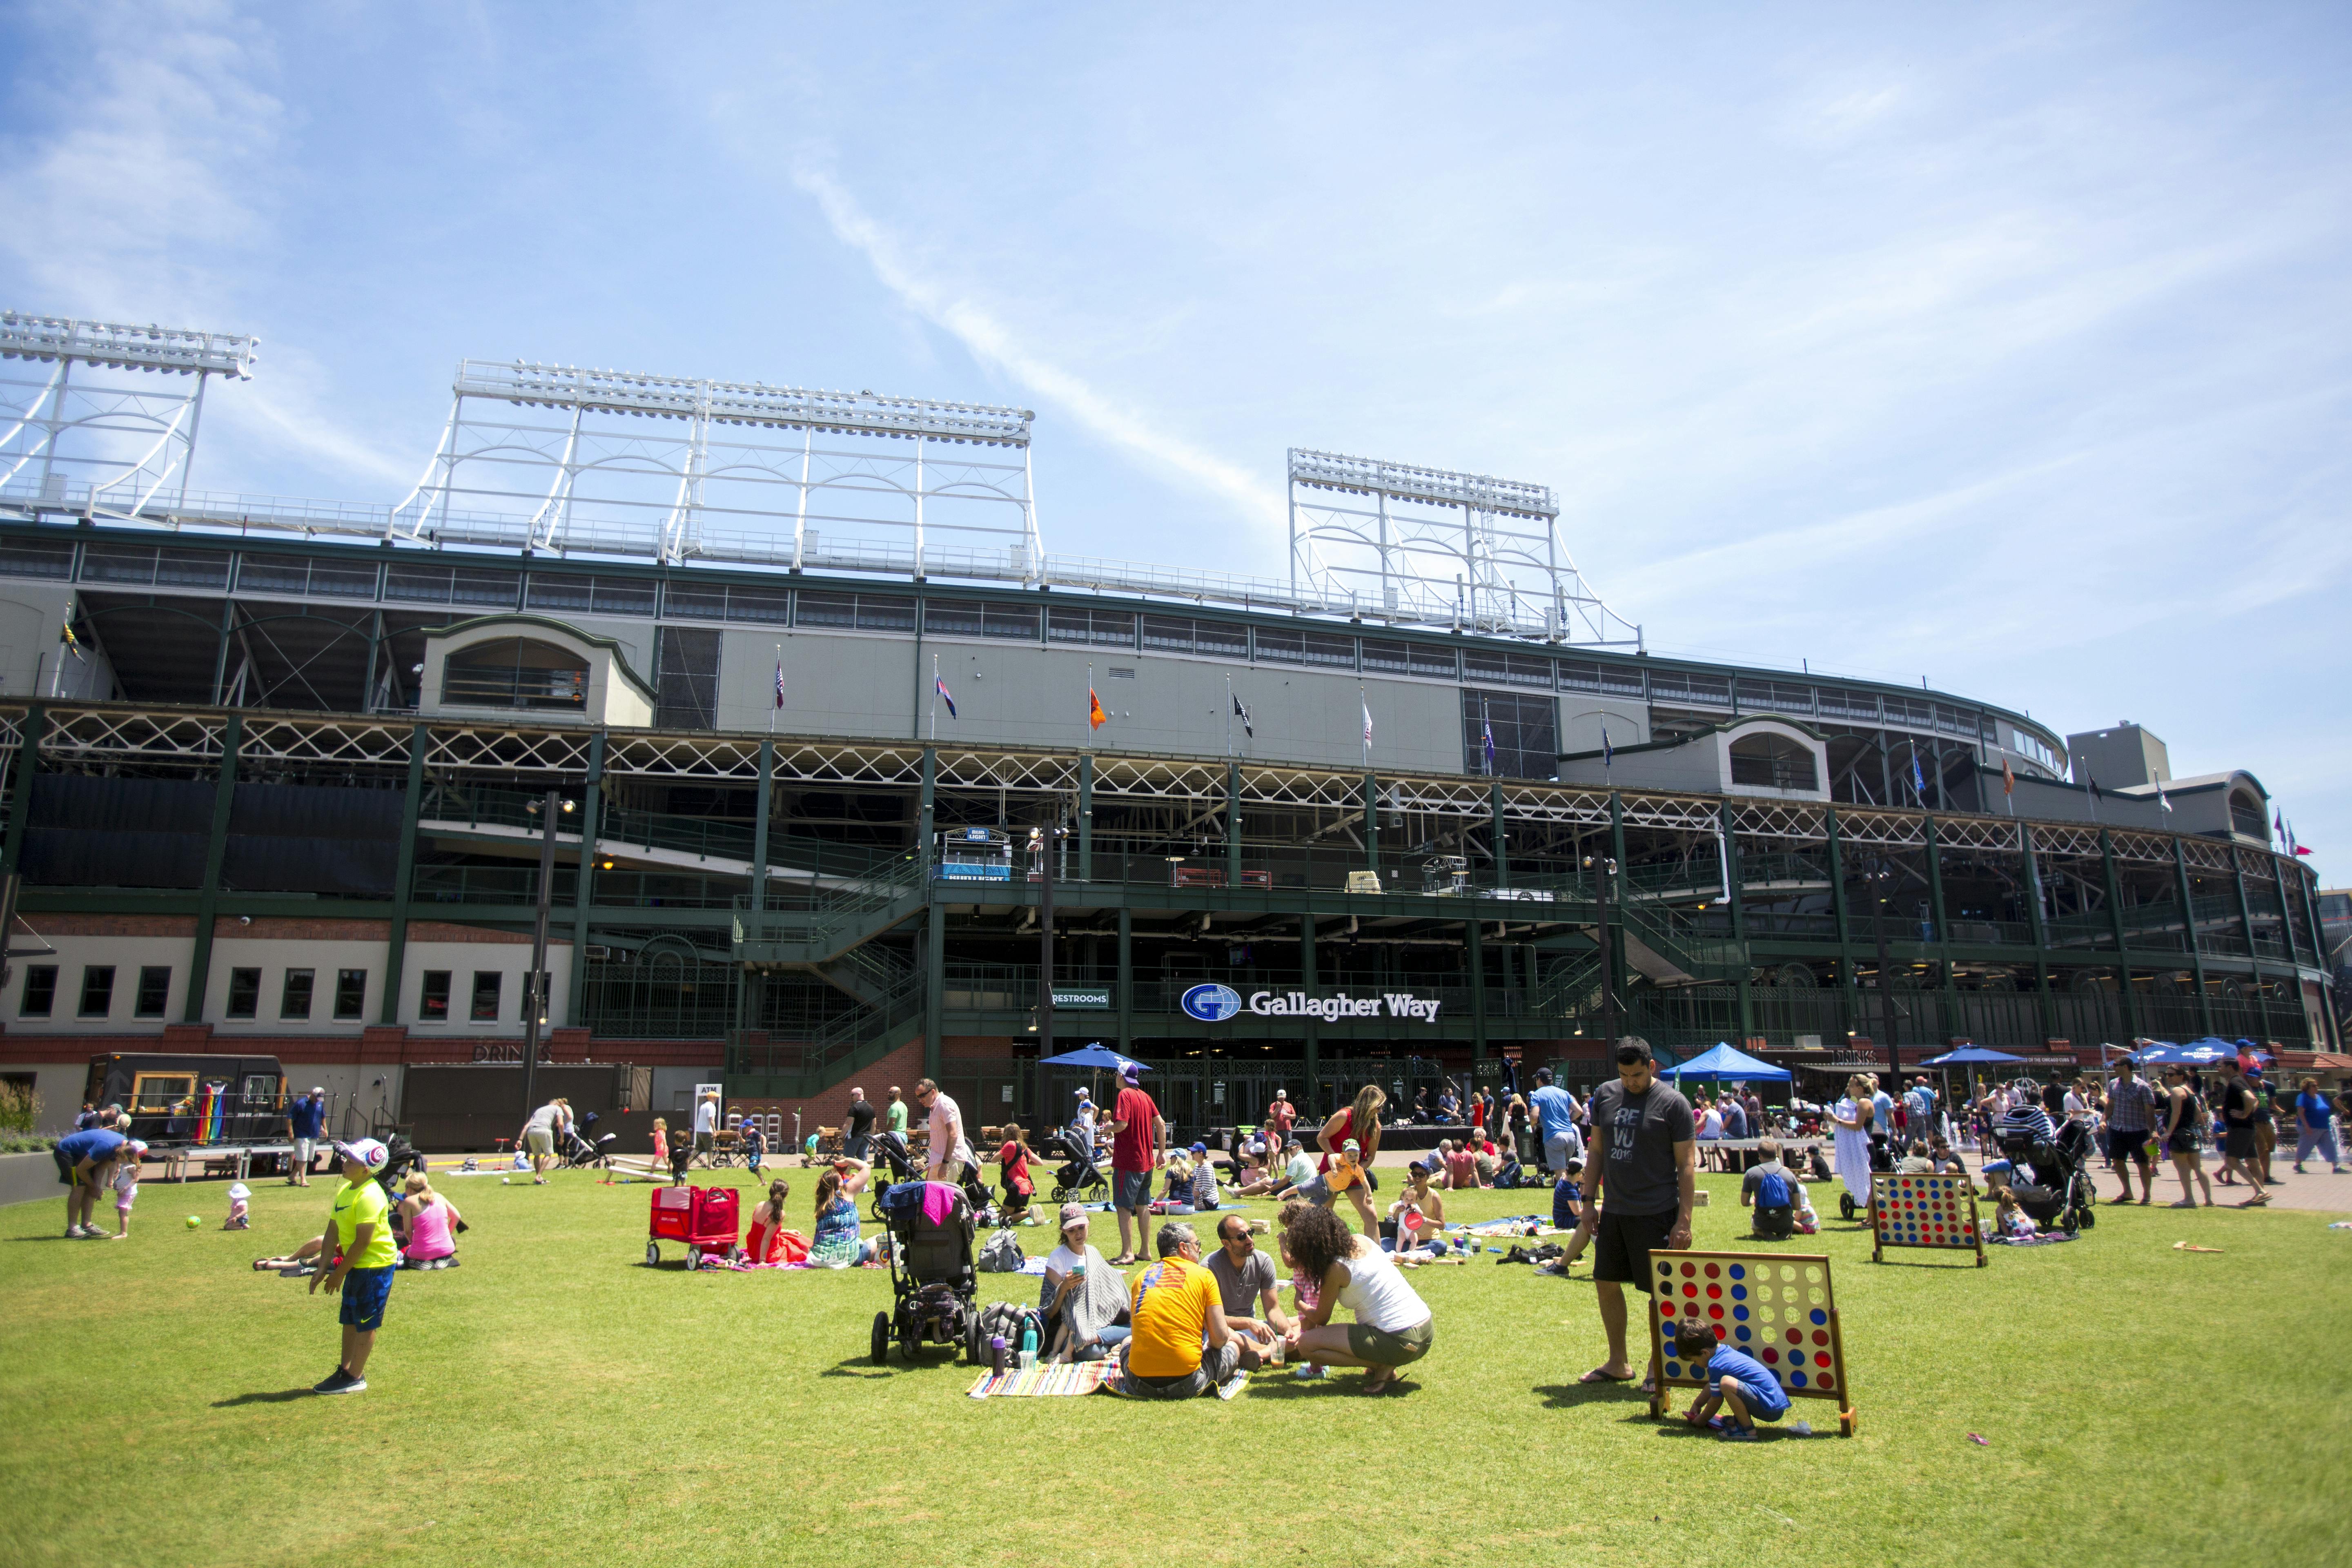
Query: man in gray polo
[{"x": 1642, "y": 1182}]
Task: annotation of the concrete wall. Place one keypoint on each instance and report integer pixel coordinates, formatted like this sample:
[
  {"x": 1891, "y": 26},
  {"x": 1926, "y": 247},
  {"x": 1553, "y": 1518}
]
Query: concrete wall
[
  {"x": 878, "y": 687},
  {"x": 31, "y": 617}
]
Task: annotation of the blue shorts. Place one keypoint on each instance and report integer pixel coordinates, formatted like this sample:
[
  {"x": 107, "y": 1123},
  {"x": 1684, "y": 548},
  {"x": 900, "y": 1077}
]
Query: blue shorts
[
  {"x": 366, "y": 1292},
  {"x": 1131, "y": 1190},
  {"x": 1763, "y": 1404}
]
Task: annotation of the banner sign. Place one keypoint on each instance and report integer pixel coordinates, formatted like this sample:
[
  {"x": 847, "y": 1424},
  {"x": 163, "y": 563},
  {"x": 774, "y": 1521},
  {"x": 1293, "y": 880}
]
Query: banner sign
[
  {"x": 1083, "y": 998},
  {"x": 1214, "y": 1004}
]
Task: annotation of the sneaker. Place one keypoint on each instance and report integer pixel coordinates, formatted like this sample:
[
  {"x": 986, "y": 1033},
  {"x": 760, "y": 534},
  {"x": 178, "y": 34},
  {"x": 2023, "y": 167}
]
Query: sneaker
[
  {"x": 1309, "y": 1372},
  {"x": 1736, "y": 1434},
  {"x": 339, "y": 1382},
  {"x": 73, "y": 1232}
]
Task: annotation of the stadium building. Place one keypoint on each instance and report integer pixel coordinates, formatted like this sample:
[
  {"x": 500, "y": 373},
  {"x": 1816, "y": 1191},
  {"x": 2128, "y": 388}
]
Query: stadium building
[{"x": 852, "y": 782}]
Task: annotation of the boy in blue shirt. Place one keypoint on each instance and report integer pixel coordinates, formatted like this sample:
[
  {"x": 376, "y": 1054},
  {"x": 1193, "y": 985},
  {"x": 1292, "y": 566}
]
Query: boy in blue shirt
[
  {"x": 1568, "y": 1197},
  {"x": 754, "y": 1145},
  {"x": 1740, "y": 1383}
]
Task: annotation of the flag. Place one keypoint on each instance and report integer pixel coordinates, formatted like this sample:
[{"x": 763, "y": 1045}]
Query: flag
[
  {"x": 1608, "y": 752},
  {"x": 1486, "y": 743},
  {"x": 2278, "y": 818},
  {"x": 2161, "y": 799},
  {"x": 2091, "y": 782},
  {"x": 1241, "y": 712},
  {"x": 780, "y": 682},
  {"x": 939, "y": 685},
  {"x": 2009, "y": 780},
  {"x": 1919, "y": 780},
  {"x": 65, "y": 636},
  {"x": 1368, "y": 717},
  {"x": 1095, "y": 717}
]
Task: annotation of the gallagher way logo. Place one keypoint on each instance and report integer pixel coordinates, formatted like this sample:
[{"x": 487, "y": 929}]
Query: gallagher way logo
[
  {"x": 1211, "y": 1003},
  {"x": 1216, "y": 1004}
]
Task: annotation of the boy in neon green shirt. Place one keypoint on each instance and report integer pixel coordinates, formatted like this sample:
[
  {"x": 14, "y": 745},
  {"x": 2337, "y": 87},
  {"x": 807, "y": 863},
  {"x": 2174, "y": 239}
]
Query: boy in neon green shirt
[{"x": 358, "y": 1241}]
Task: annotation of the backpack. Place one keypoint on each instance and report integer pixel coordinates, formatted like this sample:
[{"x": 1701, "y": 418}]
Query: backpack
[
  {"x": 1001, "y": 1254},
  {"x": 1772, "y": 1191}
]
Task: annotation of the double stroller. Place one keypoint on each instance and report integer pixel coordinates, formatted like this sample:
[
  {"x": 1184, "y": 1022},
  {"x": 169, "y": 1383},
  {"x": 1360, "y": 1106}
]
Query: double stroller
[
  {"x": 1079, "y": 1175},
  {"x": 2052, "y": 1177},
  {"x": 934, "y": 1285},
  {"x": 584, "y": 1148}
]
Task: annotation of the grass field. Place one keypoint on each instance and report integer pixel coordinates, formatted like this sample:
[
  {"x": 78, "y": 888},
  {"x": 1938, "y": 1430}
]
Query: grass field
[{"x": 555, "y": 1399}]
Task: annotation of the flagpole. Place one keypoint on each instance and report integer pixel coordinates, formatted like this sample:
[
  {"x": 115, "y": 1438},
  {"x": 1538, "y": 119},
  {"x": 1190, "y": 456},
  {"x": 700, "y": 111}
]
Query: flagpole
[
  {"x": 776, "y": 698},
  {"x": 1093, "y": 701},
  {"x": 1228, "y": 715},
  {"x": 935, "y": 697},
  {"x": 1365, "y": 705}
]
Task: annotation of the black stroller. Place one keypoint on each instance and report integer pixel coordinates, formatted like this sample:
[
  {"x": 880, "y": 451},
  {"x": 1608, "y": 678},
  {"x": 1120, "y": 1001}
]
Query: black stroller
[
  {"x": 584, "y": 1148},
  {"x": 933, "y": 1284},
  {"x": 890, "y": 1149},
  {"x": 2060, "y": 1189},
  {"x": 1882, "y": 1160},
  {"x": 1079, "y": 1175}
]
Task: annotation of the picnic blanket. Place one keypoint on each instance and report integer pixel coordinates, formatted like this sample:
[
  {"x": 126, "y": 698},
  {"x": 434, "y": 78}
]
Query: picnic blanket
[{"x": 1043, "y": 1381}]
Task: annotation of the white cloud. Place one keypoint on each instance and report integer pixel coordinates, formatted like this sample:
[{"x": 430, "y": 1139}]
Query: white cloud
[{"x": 953, "y": 310}]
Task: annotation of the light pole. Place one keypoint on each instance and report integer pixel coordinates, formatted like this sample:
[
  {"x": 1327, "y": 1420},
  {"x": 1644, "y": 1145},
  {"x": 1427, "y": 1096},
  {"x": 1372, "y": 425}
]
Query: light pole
[
  {"x": 534, "y": 988},
  {"x": 1879, "y": 877},
  {"x": 1604, "y": 871}
]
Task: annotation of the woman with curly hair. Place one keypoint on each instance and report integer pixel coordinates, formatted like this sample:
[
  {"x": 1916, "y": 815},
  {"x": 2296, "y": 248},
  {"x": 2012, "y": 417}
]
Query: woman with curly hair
[{"x": 1392, "y": 1327}]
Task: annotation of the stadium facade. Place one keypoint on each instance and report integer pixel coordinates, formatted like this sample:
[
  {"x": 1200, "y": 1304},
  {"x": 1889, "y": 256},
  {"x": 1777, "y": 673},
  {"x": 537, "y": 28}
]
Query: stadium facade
[{"x": 843, "y": 759}]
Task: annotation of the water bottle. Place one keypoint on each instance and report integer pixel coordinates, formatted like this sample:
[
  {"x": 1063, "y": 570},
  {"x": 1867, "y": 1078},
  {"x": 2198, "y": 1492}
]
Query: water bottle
[
  {"x": 1028, "y": 1340},
  {"x": 996, "y": 1353}
]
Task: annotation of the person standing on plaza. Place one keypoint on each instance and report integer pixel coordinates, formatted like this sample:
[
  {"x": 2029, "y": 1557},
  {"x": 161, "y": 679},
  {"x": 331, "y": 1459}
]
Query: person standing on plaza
[
  {"x": 85, "y": 1162},
  {"x": 1556, "y": 1131},
  {"x": 1139, "y": 1143},
  {"x": 949, "y": 1157},
  {"x": 2184, "y": 1117},
  {"x": 861, "y": 1125},
  {"x": 894, "y": 1115},
  {"x": 2238, "y": 1108},
  {"x": 2315, "y": 1128},
  {"x": 1642, "y": 1185},
  {"x": 2131, "y": 1116},
  {"x": 306, "y": 1123},
  {"x": 360, "y": 1260},
  {"x": 1283, "y": 1114},
  {"x": 538, "y": 1139}
]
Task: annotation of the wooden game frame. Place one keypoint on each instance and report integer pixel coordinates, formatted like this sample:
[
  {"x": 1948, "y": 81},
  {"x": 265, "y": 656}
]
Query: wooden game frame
[
  {"x": 1881, "y": 1190},
  {"x": 1661, "y": 1260}
]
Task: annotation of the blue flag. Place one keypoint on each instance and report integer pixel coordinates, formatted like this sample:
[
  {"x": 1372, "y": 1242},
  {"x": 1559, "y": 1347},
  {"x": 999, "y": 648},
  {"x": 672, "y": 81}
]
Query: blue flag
[
  {"x": 1918, "y": 783},
  {"x": 1608, "y": 753},
  {"x": 939, "y": 685},
  {"x": 1486, "y": 742}
]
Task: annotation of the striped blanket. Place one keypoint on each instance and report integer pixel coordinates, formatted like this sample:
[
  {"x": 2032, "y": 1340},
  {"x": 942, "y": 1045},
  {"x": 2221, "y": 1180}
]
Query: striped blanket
[{"x": 1042, "y": 1381}]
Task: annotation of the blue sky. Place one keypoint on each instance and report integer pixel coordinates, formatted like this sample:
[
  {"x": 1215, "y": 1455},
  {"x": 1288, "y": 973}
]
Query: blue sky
[{"x": 1998, "y": 347}]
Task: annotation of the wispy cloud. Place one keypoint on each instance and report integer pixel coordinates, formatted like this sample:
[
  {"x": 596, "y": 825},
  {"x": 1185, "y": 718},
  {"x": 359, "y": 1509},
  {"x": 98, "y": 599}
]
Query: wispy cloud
[
  {"x": 952, "y": 311},
  {"x": 149, "y": 197}
]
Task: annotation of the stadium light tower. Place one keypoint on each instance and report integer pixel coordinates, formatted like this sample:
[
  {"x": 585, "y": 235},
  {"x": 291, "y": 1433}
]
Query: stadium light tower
[
  {"x": 98, "y": 419},
  {"x": 1398, "y": 541},
  {"x": 620, "y": 463}
]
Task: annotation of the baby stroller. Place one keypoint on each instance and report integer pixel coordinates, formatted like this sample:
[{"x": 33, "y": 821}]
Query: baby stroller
[
  {"x": 891, "y": 1149},
  {"x": 584, "y": 1148},
  {"x": 2051, "y": 1179},
  {"x": 1882, "y": 1159},
  {"x": 1079, "y": 1174},
  {"x": 933, "y": 1282}
]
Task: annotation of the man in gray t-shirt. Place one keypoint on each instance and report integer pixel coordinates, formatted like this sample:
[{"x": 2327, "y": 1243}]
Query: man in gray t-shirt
[
  {"x": 1245, "y": 1281},
  {"x": 1641, "y": 1177}
]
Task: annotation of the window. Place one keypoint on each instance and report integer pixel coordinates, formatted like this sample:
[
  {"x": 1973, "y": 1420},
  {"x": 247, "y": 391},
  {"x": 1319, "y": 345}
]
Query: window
[
  {"x": 1014, "y": 623},
  {"x": 303, "y": 575},
  {"x": 726, "y": 602},
  {"x": 294, "y": 996},
  {"x": 40, "y": 992},
  {"x": 2246, "y": 819},
  {"x": 1285, "y": 645},
  {"x": 97, "y": 990},
  {"x": 857, "y": 612},
  {"x": 1772, "y": 762},
  {"x": 1410, "y": 659},
  {"x": 154, "y": 991},
  {"x": 433, "y": 1005},
  {"x": 1176, "y": 634},
  {"x": 546, "y": 990},
  {"x": 1095, "y": 629},
  {"x": 598, "y": 596},
  {"x": 451, "y": 586},
  {"x": 486, "y": 996},
  {"x": 244, "y": 993},
  {"x": 516, "y": 672},
  {"x": 1526, "y": 730},
  {"x": 350, "y": 993},
  {"x": 686, "y": 679},
  {"x": 1516, "y": 669}
]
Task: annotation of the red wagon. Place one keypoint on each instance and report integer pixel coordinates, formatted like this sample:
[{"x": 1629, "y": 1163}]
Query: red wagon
[{"x": 704, "y": 1218}]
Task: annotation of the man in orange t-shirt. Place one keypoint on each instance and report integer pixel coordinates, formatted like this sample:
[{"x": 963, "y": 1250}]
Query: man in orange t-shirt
[{"x": 1181, "y": 1345}]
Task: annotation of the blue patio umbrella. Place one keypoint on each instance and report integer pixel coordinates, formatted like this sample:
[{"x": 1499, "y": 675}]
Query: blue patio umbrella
[
  {"x": 2201, "y": 1054},
  {"x": 1969, "y": 1056},
  {"x": 1096, "y": 1056}
]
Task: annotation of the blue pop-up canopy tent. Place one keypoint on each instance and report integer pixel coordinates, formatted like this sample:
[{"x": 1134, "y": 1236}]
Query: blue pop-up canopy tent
[{"x": 1721, "y": 1062}]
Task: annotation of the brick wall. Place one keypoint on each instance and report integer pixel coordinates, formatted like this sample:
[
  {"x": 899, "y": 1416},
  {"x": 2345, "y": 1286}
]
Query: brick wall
[{"x": 375, "y": 1045}]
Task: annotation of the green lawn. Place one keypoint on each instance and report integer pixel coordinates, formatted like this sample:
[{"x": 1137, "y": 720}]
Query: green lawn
[{"x": 555, "y": 1399}]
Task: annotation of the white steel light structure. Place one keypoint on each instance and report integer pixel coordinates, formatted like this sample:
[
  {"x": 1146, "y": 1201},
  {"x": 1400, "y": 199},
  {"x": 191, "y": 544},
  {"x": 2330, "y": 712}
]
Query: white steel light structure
[
  {"x": 97, "y": 416},
  {"x": 1396, "y": 541},
  {"x": 617, "y": 463}
]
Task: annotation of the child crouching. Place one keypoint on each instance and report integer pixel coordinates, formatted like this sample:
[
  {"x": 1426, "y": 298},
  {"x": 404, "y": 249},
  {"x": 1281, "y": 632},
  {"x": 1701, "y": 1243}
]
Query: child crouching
[{"x": 1736, "y": 1383}]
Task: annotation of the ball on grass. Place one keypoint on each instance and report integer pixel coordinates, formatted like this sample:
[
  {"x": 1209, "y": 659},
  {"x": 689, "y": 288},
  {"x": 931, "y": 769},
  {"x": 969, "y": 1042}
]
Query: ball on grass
[{"x": 194, "y": 1222}]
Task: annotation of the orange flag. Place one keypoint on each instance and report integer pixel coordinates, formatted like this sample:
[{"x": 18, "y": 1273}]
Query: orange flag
[{"x": 1095, "y": 717}]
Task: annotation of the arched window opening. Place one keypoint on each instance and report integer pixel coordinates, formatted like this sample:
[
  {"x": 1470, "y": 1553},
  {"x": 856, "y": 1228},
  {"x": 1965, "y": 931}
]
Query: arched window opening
[
  {"x": 2246, "y": 815},
  {"x": 1772, "y": 762},
  {"x": 515, "y": 672}
]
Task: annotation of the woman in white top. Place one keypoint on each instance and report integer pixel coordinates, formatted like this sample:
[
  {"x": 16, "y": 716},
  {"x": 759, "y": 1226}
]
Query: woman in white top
[
  {"x": 1852, "y": 1117},
  {"x": 1083, "y": 1297},
  {"x": 1392, "y": 1327}
]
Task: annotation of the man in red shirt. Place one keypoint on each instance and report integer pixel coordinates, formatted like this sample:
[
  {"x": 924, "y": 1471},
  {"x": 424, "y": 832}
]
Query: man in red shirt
[
  {"x": 1283, "y": 1113},
  {"x": 1139, "y": 1141}
]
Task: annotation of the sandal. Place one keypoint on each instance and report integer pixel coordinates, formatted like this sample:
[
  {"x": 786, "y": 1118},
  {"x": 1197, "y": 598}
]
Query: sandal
[
  {"x": 2259, "y": 1200},
  {"x": 1597, "y": 1375}
]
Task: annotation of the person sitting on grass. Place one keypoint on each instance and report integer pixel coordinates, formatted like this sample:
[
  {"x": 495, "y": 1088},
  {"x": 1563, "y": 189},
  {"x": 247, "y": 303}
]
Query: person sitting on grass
[
  {"x": 431, "y": 1222},
  {"x": 1422, "y": 1202},
  {"x": 1012, "y": 1169},
  {"x": 765, "y": 1242},
  {"x": 1568, "y": 1197},
  {"x": 1283, "y": 1181},
  {"x": 1245, "y": 1287},
  {"x": 2010, "y": 1219},
  {"x": 357, "y": 1240},
  {"x": 838, "y": 1244},
  {"x": 1181, "y": 1345},
  {"x": 1084, "y": 1298},
  {"x": 1204, "y": 1196},
  {"x": 1393, "y": 1329},
  {"x": 1774, "y": 1192},
  {"x": 1735, "y": 1382}
]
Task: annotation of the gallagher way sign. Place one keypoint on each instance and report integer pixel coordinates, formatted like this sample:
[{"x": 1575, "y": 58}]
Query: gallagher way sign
[{"x": 1214, "y": 1003}]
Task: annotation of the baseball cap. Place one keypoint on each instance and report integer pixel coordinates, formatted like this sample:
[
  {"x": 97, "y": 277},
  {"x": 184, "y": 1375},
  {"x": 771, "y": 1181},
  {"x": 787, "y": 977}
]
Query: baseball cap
[
  {"x": 134, "y": 1146},
  {"x": 1073, "y": 1214},
  {"x": 1350, "y": 1147},
  {"x": 368, "y": 1152},
  {"x": 1200, "y": 1148},
  {"x": 1130, "y": 1074},
  {"x": 1082, "y": 1095},
  {"x": 318, "y": 1088}
]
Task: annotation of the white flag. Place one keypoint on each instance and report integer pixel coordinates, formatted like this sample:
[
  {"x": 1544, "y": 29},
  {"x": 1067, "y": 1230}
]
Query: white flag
[{"x": 1368, "y": 719}]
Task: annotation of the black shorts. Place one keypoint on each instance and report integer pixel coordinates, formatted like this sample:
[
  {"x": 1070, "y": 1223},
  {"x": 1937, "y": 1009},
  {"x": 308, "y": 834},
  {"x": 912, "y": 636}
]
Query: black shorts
[
  {"x": 1622, "y": 1244},
  {"x": 2238, "y": 1142},
  {"x": 2121, "y": 1145}
]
